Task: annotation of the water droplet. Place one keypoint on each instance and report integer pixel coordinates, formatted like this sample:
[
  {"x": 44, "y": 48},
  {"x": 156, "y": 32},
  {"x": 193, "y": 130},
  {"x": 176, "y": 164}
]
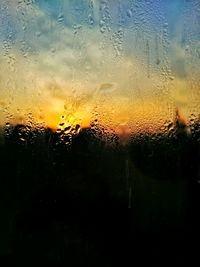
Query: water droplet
[
  {"x": 91, "y": 20},
  {"x": 129, "y": 13},
  {"x": 101, "y": 23},
  {"x": 67, "y": 128},
  {"x": 158, "y": 61},
  {"x": 53, "y": 50},
  {"x": 187, "y": 48},
  {"x": 107, "y": 87},
  {"x": 38, "y": 34},
  {"x": 60, "y": 18},
  {"x": 77, "y": 128},
  {"x": 170, "y": 126}
]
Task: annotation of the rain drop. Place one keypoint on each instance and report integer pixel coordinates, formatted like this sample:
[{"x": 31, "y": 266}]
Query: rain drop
[{"x": 129, "y": 13}]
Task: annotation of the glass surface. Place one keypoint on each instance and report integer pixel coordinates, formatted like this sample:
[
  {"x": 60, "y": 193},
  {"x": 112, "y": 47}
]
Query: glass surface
[{"x": 99, "y": 131}]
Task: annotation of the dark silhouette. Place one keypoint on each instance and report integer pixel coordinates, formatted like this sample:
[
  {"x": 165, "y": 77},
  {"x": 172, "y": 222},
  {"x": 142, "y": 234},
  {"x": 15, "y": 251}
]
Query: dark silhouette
[{"x": 86, "y": 200}]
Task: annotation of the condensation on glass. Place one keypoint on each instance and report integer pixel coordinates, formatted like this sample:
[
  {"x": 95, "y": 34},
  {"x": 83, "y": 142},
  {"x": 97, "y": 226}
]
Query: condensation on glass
[
  {"x": 127, "y": 67},
  {"x": 99, "y": 108}
]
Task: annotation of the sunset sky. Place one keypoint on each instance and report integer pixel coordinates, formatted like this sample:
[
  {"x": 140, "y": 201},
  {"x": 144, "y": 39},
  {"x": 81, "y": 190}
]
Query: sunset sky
[{"x": 129, "y": 64}]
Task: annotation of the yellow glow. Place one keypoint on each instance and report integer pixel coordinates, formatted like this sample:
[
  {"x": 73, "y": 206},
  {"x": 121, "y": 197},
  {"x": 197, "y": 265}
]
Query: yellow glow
[{"x": 123, "y": 115}]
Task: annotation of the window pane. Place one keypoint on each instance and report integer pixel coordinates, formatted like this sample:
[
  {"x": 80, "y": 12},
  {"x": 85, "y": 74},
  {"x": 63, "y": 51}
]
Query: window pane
[{"x": 99, "y": 130}]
